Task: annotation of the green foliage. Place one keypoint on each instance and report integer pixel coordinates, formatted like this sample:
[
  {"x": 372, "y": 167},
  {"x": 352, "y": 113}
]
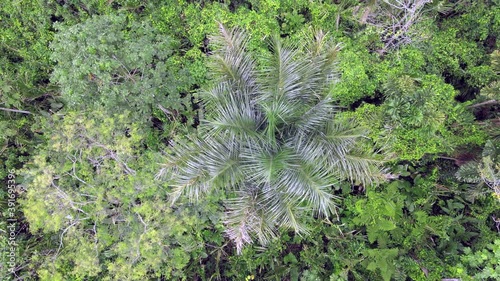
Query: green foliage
[
  {"x": 425, "y": 244},
  {"x": 118, "y": 63},
  {"x": 355, "y": 82},
  {"x": 425, "y": 118},
  {"x": 94, "y": 210},
  {"x": 95, "y": 199},
  {"x": 416, "y": 224},
  {"x": 24, "y": 70},
  {"x": 25, "y": 62},
  {"x": 483, "y": 264},
  {"x": 72, "y": 12},
  {"x": 379, "y": 212},
  {"x": 477, "y": 20},
  {"x": 456, "y": 58},
  {"x": 491, "y": 91},
  {"x": 382, "y": 259}
]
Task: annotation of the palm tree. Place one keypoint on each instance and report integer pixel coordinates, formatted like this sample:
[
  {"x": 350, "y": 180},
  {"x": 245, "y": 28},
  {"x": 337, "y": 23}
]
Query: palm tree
[{"x": 271, "y": 140}]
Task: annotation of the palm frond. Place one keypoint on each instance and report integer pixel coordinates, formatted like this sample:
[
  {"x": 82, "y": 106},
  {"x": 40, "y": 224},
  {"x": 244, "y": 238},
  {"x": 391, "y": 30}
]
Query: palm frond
[
  {"x": 401, "y": 85},
  {"x": 491, "y": 149},
  {"x": 191, "y": 185},
  {"x": 222, "y": 160},
  {"x": 321, "y": 67},
  {"x": 263, "y": 163},
  {"x": 330, "y": 146},
  {"x": 495, "y": 61},
  {"x": 279, "y": 114},
  {"x": 244, "y": 219},
  {"x": 217, "y": 94},
  {"x": 315, "y": 117},
  {"x": 280, "y": 210},
  {"x": 360, "y": 167},
  {"x": 283, "y": 76},
  {"x": 234, "y": 119},
  {"x": 310, "y": 185},
  {"x": 203, "y": 166},
  {"x": 491, "y": 91},
  {"x": 231, "y": 63},
  {"x": 443, "y": 7},
  {"x": 486, "y": 172}
]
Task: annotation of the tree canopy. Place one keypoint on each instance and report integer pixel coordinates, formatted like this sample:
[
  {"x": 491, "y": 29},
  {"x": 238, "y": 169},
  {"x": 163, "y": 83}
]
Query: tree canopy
[{"x": 249, "y": 140}]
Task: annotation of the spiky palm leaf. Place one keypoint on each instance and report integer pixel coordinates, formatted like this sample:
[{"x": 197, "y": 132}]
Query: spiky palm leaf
[{"x": 271, "y": 140}]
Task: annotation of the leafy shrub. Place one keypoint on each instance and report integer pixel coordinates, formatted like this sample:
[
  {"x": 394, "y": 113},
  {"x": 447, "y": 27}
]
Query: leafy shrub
[
  {"x": 355, "y": 82},
  {"x": 483, "y": 264}
]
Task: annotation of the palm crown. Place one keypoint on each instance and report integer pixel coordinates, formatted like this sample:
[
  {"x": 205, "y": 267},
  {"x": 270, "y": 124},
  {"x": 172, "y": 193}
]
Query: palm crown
[{"x": 270, "y": 139}]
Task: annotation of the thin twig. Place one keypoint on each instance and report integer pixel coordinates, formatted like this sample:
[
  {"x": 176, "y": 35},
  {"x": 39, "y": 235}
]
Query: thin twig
[{"x": 15, "y": 110}]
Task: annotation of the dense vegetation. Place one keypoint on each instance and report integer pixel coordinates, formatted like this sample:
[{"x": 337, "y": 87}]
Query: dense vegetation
[{"x": 250, "y": 140}]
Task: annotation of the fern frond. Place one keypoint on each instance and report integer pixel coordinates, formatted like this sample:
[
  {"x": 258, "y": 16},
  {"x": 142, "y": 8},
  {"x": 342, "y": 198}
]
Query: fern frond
[{"x": 469, "y": 173}]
